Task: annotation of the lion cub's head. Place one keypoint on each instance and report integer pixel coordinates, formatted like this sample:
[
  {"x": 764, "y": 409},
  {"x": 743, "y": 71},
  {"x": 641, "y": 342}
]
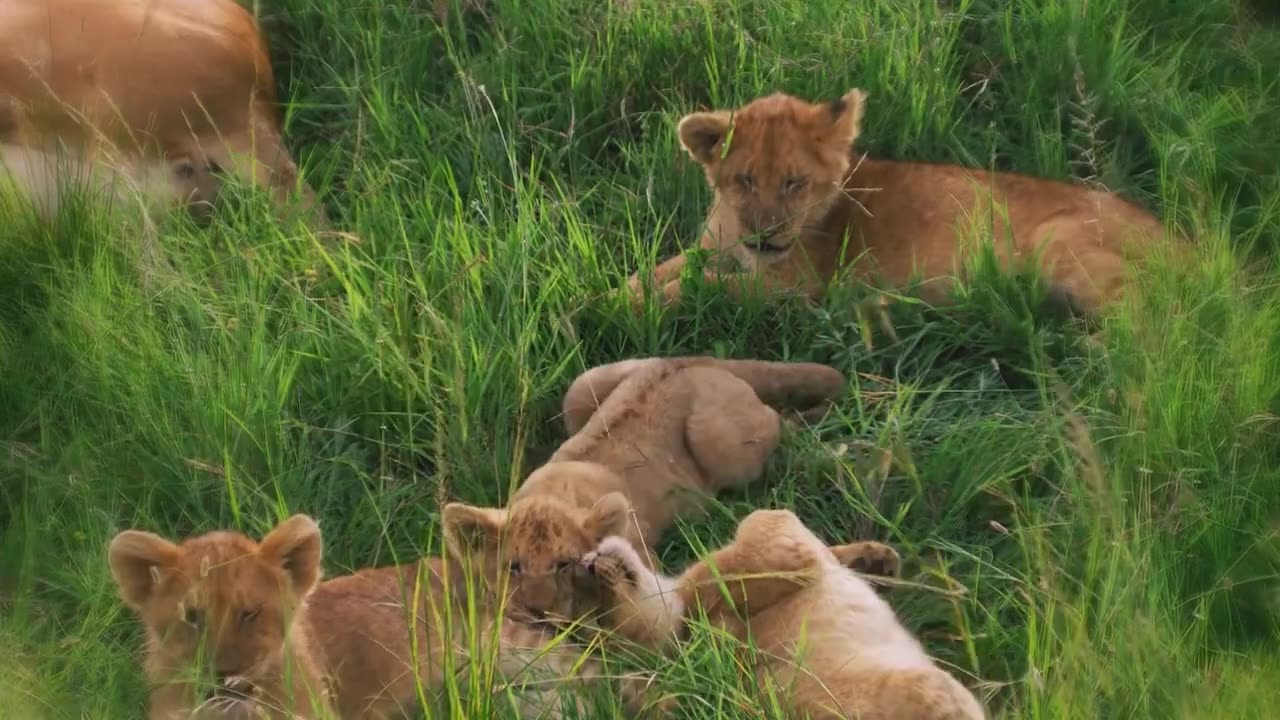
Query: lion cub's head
[
  {"x": 219, "y": 601},
  {"x": 535, "y": 547},
  {"x": 776, "y": 164}
]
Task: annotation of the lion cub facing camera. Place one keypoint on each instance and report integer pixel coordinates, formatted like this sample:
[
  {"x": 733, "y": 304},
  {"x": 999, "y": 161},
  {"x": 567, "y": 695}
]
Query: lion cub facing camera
[
  {"x": 651, "y": 439},
  {"x": 835, "y": 648},
  {"x": 282, "y": 644},
  {"x": 789, "y": 187}
]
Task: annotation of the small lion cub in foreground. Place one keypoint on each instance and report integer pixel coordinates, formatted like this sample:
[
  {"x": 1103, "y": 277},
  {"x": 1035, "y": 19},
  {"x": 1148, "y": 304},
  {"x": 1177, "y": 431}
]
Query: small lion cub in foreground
[
  {"x": 833, "y": 645},
  {"x": 651, "y": 440},
  {"x": 282, "y": 644}
]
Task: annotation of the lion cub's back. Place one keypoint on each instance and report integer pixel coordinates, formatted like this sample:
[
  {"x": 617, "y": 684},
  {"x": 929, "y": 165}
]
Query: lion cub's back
[
  {"x": 646, "y": 407},
  {"x": 360, "y": 624},
  {"x": 930, "y": 202}
]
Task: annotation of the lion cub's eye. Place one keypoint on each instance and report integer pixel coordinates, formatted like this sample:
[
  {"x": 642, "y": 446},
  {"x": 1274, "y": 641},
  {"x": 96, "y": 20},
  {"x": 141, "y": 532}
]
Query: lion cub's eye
[
  {"x": 249, "y": 616},
  {"x": 565, "y": 566},
  {"x": 793, "y": 184},
  {"x": 745, "y": 181},
  {"x": 193, "y": 617},
  {"x": 515, "y": 567}
]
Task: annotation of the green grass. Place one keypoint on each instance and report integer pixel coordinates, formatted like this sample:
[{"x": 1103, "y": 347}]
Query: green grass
[{"x": 1094, "y": 526}]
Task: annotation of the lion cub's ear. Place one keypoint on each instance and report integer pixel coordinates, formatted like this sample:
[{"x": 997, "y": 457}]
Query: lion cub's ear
[
  {"x": 137, "y": 559},
  {"x": 701, "y": 134},
  {"x": 846, "y": 114},
  {"x": 295, "y": 545},
  {"x": 609, "y": 516},
  {"x": 470, "y": 529}
]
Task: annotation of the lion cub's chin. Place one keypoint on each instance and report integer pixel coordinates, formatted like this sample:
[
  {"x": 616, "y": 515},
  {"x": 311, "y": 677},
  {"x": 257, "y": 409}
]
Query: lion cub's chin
[{"x": 222, "y": 707}]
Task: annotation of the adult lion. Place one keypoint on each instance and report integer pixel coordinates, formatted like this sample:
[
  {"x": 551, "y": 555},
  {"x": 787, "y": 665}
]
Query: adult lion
[{"x": 157, "y": 97}]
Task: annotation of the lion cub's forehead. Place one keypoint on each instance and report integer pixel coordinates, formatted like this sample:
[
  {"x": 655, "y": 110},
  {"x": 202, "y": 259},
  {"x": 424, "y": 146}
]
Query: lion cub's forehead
[
  {"x": 778, "y": 106},
  {"x": 546, "y": 531},
  {"x": 780, "y": 114},
  {"x": 225, "y": 570},
  {"x": 779, "y": 134}
]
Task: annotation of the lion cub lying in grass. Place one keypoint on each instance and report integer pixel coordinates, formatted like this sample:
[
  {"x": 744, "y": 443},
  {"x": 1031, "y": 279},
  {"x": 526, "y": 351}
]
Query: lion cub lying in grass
[
  {"x": 282, "y": 644},
  {"x": 832, "y": 644},
  {"x": 788, "y": 186},
  {"x": 650, "y": 440}
]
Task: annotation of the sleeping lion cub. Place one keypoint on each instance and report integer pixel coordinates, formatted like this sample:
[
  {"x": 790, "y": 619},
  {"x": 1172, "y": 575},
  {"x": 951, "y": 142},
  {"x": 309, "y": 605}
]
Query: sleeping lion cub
[
  {"x": 789, "y": 186},
  {"x": 280, "y": 643},
  {"x": 834, "y": 647},
  {"x": 651, "y": 439}
]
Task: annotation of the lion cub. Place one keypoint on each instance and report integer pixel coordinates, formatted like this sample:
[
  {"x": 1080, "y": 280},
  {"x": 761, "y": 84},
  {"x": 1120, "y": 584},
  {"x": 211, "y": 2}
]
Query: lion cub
[
  {"x": 834, "y": 646},
  {"x": 280, "y": 643},
  {"x": 650, "y": 440},
  {"x": 789, "y": 186}
]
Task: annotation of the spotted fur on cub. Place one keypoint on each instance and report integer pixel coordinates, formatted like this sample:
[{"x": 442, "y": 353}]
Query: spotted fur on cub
[{"x": 651, "y": 440}]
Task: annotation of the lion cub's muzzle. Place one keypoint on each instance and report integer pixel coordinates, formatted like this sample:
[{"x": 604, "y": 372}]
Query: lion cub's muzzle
[
  {"x": 231, "y": 697},
  {"x": 769, "y": 242},
  {"x": 234, "y": 687}
]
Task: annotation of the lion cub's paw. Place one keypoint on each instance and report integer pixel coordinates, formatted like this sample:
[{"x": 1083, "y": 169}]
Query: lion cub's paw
[
  {"x": 870, "y": 558},
  {"x": 810, "y": 416},
  {"x": 632, "y": 294},
  {"x": 614, "y": 562}
]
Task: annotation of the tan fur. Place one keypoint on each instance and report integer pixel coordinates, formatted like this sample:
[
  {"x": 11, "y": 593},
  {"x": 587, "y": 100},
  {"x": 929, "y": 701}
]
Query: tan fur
[
  {"x": 146, "y": 95},
  {"x": 790, "y": 187},
  {"x": 832, "y": 646},
  {"x": 280, "y": 642},
  {"x": 651, "y": 440}
]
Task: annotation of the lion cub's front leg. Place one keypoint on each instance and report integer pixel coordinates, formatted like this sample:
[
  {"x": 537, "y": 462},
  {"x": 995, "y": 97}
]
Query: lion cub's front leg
[
  {"x": 869, "y": 558},
  {"x": 663, "y": 273},
  {"x": 637, "y": 603},
  {"x": 726, "y": 271},
  {"x": 741, "y": 285},
  {"x": 729, "y": 584}
]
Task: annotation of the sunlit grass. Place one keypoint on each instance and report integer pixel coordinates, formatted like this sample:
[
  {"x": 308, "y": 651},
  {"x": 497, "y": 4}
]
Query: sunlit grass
[{"x": 1093, "y": 520}]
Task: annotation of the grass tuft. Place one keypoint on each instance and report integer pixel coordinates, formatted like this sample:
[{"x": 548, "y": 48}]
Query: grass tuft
[{"x": 1090, "y": 522}]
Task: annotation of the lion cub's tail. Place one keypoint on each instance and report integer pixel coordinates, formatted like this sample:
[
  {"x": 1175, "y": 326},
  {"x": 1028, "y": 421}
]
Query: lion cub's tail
[{"x": 781, "y": 385}]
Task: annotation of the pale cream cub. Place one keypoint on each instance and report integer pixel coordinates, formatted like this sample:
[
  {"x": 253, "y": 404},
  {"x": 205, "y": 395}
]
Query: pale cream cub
[{"x": 835, "y": 648}]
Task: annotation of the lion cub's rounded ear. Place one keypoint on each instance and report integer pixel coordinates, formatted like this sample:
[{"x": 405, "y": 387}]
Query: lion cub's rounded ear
[
  {"x": 296, "y": 546},
  {"x": 609, "y": 516},
  {"x": 137, "y": 558},
  {"x": 846, "y": 114},
  {"x": 469, "y": 529},
  {"x": 702, "y": 132}
]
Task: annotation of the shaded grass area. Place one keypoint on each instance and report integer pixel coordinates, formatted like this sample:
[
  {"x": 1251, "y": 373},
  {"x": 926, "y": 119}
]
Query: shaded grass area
[{"x": 1093, "y": 524}]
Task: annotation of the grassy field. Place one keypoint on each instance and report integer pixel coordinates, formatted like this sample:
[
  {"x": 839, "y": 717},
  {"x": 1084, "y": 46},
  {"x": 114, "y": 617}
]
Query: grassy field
[{"x": 1091, "y": 527}]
